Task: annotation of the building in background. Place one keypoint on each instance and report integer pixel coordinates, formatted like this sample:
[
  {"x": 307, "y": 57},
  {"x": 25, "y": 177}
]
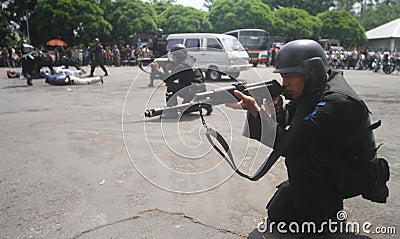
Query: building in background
[{"x": 386, "y": 36}]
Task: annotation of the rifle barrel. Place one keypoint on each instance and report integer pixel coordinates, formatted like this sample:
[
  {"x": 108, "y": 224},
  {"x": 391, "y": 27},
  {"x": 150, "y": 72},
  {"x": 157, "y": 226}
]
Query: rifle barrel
[{"x": 223, "y": 95}]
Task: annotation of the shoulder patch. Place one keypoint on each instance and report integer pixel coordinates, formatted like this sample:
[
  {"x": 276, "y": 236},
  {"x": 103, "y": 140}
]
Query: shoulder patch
[{"x": 319, "y": 105}]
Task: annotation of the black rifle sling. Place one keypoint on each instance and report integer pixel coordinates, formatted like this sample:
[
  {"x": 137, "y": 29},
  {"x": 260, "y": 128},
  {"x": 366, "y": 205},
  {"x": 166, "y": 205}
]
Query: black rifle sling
[{"x": 272, "y": 158}]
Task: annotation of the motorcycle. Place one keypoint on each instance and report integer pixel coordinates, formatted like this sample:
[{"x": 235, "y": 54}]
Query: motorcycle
[
  {"x": 376, "y": 65},
  {"x": 388, "y": 67}
]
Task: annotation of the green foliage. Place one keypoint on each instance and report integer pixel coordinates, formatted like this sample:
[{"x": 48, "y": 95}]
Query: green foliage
[
  {"x": 17, "y": 11},
  {"x": 161, "y": 7},
  {"x": 129, "y": 17},
  {"x": 208, "y": 3},
  {"x": 345, "y": 5},
  {"x": 78, "y": 22},
  {"x": 72, "y": 21},
  {"x": 371, "y": 18},
  {"x": 341, "y": 25},
  {"x": 226, "y": 15},
  {"x": 296, "y": 24},
  {"x": 180, "y": 19},
  {"x": 311, "y": 6},
  {"x": 5, "y": 30}
]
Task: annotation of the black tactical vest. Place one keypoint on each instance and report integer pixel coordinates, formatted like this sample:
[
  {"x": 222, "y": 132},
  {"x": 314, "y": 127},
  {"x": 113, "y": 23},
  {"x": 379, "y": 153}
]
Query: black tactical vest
[{"x": 357, "y": 167}]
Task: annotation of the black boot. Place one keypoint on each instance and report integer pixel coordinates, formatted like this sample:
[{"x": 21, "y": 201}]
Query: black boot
[{"x": 29, "y": 81}]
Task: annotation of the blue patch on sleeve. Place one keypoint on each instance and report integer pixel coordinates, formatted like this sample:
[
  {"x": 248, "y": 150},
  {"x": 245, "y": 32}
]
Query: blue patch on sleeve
[{"x": 320, "y": 104}]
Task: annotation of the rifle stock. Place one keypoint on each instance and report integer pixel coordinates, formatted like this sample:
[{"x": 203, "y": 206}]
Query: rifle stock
[{"x": 223, "y": 95}]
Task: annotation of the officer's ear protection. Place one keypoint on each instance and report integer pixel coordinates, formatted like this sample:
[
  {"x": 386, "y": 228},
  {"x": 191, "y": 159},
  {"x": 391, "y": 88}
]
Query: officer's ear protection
[{"x": 314, "y": 68}]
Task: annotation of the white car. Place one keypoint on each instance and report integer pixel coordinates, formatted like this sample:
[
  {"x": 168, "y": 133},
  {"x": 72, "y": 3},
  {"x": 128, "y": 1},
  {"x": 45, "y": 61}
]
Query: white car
[{"x": 216, "y": 54}]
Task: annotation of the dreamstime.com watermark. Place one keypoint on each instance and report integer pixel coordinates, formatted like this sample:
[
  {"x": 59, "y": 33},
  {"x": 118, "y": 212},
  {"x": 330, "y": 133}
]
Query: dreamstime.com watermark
[{"x": 331, "y": 226}]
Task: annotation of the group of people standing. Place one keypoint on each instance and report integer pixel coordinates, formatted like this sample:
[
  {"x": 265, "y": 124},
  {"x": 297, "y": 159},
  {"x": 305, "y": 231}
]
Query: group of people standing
[
  {"x": 360, "y": 60},
  {"x": 8, "y": 57}
]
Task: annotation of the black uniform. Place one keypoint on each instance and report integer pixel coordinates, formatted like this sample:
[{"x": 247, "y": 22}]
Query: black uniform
[
  {"x": 44, "y": 60},
  {"x": 184, "y": 74},
  {"x": 28, "y": 61},
  {"x": 332, "y": 155},
  {"x": 159, "y": 46},
  {"x": 60, "y": 52},
  {"x": 96, "y": 53}
]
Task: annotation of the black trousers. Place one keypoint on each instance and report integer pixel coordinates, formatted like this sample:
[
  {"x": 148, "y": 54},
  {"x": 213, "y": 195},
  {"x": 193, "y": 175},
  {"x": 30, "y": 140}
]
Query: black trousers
[
  {"x": 176, "y": 89},
  {"x": 28, "y": 67},
  {"x": 97, "y": 63},
  {"x": 290, "y": 205}
]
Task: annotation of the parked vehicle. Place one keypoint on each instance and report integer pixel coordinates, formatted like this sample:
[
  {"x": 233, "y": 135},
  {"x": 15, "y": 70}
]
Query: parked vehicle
[
  {"x": 255, "y": 42},
  {"x": 388, "y": 67},
  {"x": 216, "y": 54}
]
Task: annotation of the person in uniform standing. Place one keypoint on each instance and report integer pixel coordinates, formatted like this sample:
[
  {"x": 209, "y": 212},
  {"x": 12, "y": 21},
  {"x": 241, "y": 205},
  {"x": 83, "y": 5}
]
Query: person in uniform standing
[
  {"x": 97, "y": 56},
  {"x": 29, "y": 55},
  {"x": 159, "y": 48}
]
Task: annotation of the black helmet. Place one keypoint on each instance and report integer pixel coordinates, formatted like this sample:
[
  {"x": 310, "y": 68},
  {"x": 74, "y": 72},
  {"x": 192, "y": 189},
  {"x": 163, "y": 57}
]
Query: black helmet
[
  {"x": 180, "y": 51},
  {"x": 159, "y": 32},
  {"x": 303, "y": 56}
]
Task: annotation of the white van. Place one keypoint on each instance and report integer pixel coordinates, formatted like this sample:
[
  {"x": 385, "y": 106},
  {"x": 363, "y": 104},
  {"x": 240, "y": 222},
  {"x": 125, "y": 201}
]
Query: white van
[{"x": 216, "y": 54}]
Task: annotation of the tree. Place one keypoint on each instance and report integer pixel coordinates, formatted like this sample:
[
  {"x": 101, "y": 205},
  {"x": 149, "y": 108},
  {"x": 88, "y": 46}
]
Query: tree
[
  {"x": 311, "y": 6},
  {"x": 179, "y": 19},
  {"x": 73, "y": 21},
  {"x": 296, "y": 24},
  {"x": 130, "y": 16},
  {"x": 19, "y": 12},
  {"x": 161, "y": 7},
  {"x": 341, "y": 25},
  {"x": 161, "y": 1},
  {"x": 371, "y": 18},
  {"x": 226, "y": 15},
  {"x": 391, "y": 2},
  {"x": 347, "y": 5},
  {"x": 5, "y": 31},
  {"x": 208, "y": 3}
]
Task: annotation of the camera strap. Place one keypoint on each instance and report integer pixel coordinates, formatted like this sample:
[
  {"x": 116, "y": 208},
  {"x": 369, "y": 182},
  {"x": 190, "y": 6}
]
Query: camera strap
[{"x": 272, "y": 158}]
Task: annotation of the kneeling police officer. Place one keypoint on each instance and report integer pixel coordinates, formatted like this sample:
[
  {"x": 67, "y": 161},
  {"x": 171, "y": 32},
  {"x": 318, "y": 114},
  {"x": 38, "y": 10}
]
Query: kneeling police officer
[
  {"x": 185, "y": 79},
  {"x": 329, "y": 146}
]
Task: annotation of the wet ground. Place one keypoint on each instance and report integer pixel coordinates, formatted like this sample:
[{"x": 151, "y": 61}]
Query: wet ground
[{"x": 83, "y": 162}]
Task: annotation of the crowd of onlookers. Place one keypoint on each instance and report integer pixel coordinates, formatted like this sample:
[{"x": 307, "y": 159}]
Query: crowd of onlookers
[
  {"x": 127, "y": 55},
  {"x": 356, "y": 59},
  {"x": 9, "y": 57},
  {"x": 113, "y": 55}
]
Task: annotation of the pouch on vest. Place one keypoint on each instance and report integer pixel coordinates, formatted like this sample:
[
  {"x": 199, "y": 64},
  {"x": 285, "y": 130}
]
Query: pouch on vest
[{"x": 366, "y": 176}]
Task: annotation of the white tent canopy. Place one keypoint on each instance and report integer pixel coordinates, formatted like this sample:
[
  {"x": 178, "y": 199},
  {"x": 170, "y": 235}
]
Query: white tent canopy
[{"x": 385, "y": 36}]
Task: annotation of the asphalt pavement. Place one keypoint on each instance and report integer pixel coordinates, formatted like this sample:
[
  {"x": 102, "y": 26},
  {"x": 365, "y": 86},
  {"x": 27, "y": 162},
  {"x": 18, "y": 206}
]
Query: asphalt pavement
[{"x": 82, "y": 161}]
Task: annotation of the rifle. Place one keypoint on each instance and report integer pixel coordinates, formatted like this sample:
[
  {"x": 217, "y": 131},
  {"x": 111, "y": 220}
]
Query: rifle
[
  {"x": 259, "y": 91},
  {"x": 223, "y": 95},
  {"x": 30, "y": 54},
  {"x": 146, "y": 61}
]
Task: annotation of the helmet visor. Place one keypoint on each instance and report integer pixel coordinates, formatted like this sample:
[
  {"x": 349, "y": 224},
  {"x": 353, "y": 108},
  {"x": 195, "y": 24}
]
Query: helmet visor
[{"x": 298, "y": 69}]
